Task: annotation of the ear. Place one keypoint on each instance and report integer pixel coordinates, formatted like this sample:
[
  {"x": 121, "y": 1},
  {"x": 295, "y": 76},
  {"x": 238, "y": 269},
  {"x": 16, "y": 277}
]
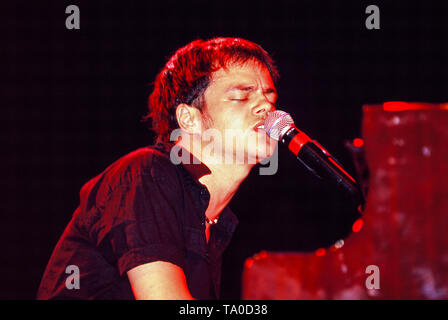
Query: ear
[{"x": 189, "y": 118}]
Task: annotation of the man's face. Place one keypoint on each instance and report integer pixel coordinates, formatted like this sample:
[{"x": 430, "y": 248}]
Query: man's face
[{"x": 237, "y": 100}]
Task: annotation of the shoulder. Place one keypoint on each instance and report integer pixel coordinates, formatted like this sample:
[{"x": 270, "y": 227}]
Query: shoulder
[
  {"x": 147, "y": 161},
  {"x": 144, "y": 164}
]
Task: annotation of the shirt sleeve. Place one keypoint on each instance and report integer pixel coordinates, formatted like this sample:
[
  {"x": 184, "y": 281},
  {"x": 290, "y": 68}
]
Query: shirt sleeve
[{"x": 140, "y": 222}]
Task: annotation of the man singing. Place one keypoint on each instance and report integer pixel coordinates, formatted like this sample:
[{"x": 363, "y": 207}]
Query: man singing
[{"x": 155, "y": 223}]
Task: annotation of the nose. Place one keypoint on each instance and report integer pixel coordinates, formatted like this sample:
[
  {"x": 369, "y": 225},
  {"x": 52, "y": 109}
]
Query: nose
[{"x": 262, "y": 108}]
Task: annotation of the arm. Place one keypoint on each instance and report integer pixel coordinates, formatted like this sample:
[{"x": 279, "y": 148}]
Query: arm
[{"x": 159, "y": 280}]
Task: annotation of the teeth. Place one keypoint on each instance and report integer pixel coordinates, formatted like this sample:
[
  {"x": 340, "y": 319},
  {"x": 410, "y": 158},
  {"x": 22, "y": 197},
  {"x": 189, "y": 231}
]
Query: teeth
[{"x": 260, "y": 127}]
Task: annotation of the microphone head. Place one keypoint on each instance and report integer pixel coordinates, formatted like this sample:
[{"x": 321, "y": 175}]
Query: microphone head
[{"x": 277, "y": 124}]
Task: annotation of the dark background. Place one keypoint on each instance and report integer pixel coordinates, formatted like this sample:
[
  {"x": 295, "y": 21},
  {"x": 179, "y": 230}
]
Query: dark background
[{"x": 72, "y": 100}]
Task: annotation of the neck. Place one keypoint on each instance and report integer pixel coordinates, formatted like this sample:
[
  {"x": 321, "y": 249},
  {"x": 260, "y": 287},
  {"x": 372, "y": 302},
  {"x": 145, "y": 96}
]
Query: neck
[
  {"x": 223, "y": 181},
  {"x": 222, "y": 184}
]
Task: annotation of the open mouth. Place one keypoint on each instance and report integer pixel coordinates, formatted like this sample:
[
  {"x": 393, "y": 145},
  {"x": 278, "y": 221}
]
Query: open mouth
[{"x": 259, "y": 126}]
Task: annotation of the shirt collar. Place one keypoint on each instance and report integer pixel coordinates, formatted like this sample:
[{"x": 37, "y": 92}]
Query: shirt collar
[
  {"x": 193, "y": 171},
  {"x": 195, "y": 168}
]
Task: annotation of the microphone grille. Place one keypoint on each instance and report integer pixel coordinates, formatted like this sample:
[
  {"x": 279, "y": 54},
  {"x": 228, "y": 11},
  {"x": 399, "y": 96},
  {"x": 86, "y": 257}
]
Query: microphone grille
[{"x": 277, "y": 123}]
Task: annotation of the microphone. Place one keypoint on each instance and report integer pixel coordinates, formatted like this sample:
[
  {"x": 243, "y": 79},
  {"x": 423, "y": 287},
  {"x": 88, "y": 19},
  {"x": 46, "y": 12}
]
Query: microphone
[{"x": 279, "y": 125}]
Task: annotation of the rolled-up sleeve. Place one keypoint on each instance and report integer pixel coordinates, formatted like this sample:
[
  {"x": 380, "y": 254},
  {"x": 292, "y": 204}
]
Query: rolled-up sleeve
[{"x": 140, "y": 222}]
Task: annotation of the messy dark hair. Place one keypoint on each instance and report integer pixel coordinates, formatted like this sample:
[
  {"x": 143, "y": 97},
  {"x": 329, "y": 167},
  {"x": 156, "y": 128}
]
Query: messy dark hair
[{"x": 187, "y": 75}]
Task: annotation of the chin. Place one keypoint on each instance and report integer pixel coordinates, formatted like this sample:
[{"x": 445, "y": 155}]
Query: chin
[{"x": 262, "y": 151}]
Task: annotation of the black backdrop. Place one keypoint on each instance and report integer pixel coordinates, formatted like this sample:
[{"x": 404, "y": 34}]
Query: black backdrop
[{"x": 72, "y": 101}]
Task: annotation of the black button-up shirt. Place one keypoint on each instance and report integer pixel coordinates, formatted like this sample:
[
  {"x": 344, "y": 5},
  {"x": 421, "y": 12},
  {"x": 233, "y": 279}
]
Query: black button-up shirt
[{"x": 142, "y": 208}]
